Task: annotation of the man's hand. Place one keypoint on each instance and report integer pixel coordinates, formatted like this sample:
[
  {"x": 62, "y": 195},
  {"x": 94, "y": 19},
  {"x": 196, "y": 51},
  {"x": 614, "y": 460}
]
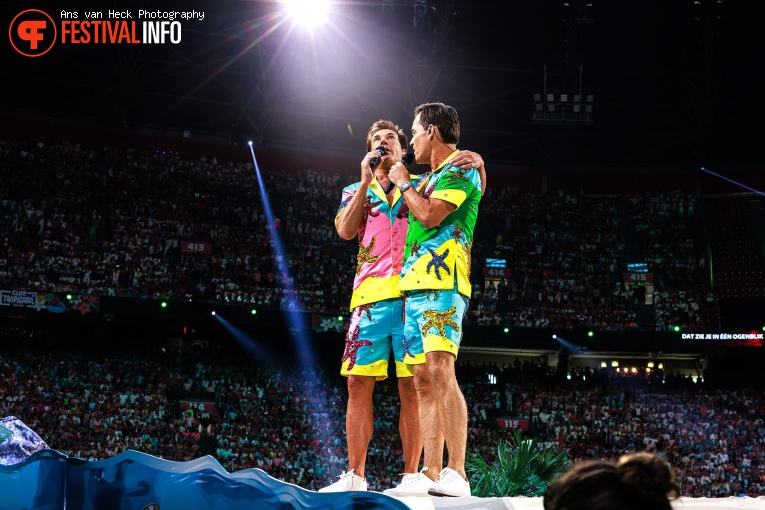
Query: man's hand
[
  {"x": 367, "y": 172},
  {"x": 467, "y": 159},
  {"x": 399, "y": 174}
]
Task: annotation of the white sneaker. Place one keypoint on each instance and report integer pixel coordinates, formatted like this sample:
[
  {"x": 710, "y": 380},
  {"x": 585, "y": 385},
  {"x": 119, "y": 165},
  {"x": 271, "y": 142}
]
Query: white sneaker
[
  {"x": 412, "y": 485},
  {"x": 451, "y": 484},
  {"x": 347, "y": 482}
]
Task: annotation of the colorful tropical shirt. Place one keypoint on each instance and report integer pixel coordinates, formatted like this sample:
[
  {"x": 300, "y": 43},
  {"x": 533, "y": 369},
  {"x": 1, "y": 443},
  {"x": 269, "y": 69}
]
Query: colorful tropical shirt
[
  {"x": 434, "y": 258},
  {"x": 381, "y": 236}
]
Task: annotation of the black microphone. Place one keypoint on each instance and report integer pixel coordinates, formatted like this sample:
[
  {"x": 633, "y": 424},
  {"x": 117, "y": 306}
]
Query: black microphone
[
  {"x": 406, "y": 160},
  {"x": 373, "y": 162}
]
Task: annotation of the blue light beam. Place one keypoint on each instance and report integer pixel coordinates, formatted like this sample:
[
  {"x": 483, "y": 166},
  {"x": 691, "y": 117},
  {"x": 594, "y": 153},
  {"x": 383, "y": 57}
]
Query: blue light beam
[
  {"x": 294, "y": 316},
  {"x": 732, "y": 181},
  {"x": 257, "y": 350},
  {"x": 575, "y": 349}
]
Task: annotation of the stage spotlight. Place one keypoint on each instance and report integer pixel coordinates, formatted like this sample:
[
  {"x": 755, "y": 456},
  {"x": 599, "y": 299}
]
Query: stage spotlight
[
  {"x": 614, "y": 363},
  {"x": 213, "y": 312},
  {"x": 249, "y": 143},
  {"x": 590, "y": 333},
  {"x": 507, "y": 330},
  {"x": 555, "y": 336},
  {"x": 650, "y": 364},
  {"x": 676, "y": 329},
  {"x": 309, "y": 13},
  {"x": 340, "y": 317},
  {"x": 253, "y": 311},
  {"x": 603, "y": 364},
  {"x": 661, "y": 366},
  {"x": 163, "y": 304}
]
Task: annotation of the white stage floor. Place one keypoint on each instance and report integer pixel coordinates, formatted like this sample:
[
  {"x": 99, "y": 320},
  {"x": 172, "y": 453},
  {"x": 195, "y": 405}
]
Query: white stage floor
[{"x": 536, "y": 503}]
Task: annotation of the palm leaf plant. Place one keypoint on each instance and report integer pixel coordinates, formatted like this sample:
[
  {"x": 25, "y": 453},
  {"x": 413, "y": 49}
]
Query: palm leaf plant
[{"x": 521, "y": 468}]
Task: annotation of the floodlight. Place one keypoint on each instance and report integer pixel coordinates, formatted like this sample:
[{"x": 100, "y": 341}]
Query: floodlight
[{"x": 309, "y": 13}]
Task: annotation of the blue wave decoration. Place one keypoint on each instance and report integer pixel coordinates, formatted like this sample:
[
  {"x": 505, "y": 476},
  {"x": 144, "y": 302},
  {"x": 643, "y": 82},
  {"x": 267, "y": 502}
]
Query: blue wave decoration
[{"x": 49, "y": 480}]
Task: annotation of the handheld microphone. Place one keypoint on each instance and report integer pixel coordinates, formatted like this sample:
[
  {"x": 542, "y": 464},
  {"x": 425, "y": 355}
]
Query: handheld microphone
[
  {"x": 374, "y": 161},
  {"x": 406, "y": 160}
]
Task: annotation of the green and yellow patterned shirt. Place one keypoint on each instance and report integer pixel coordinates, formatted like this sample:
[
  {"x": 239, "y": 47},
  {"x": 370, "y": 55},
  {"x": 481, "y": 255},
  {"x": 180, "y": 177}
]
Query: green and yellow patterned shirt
[{"x": 434, "y": 258}]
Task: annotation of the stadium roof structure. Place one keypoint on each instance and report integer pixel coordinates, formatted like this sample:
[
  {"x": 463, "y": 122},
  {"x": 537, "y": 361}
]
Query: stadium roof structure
[{"x": 665, "y": 83}]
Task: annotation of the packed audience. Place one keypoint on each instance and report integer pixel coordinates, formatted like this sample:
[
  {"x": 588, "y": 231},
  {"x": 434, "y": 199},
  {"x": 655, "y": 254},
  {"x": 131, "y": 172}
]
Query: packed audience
[
  {"x": 670, "y": 233},
  {"x": 114, "y": 222},
  {"x": 566, "y": 256},
  {"x": 290, "y": 421}
]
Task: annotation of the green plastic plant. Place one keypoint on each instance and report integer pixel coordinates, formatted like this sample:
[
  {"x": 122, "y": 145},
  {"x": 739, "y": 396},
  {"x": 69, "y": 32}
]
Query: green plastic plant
[{"x": 521, "y": 468}]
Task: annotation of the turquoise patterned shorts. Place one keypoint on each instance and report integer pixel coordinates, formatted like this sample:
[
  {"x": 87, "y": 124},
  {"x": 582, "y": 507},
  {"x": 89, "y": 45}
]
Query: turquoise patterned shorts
[
  {"x": 433, "y": 323},
  {"x": 374, "y": 329}
]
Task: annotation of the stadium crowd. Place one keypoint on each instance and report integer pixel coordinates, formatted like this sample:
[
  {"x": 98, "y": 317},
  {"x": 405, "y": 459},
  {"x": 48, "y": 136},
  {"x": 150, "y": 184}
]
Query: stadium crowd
[
  {"x": 290, "y": 421},
  {"x": 114, "y": 222}
]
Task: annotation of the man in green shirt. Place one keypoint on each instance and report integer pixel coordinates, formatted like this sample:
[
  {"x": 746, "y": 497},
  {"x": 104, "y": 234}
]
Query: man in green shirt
[{"x": 435, "y": 276}]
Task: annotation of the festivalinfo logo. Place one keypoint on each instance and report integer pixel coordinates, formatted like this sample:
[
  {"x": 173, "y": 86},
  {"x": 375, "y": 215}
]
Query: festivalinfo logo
[{"x": 33, "y": 32}]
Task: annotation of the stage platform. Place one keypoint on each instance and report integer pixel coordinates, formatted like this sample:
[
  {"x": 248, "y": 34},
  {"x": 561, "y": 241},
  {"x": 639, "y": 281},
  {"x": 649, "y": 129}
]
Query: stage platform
[
  {"x": 536, "y": 503},
  {"x": 49, "y": 480}
]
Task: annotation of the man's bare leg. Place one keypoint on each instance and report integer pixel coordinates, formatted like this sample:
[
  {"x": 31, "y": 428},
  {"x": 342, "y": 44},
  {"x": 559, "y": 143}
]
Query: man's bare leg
[
  {"x": 430, "y": 424},
  {"x": 409, "y": 424},
  {"x": 452, "y": 409},
  {"x": 359, "y": 420}
]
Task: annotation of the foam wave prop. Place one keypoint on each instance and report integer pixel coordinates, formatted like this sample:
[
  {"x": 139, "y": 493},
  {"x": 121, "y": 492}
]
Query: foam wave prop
[{"x": 49, "y": 480}]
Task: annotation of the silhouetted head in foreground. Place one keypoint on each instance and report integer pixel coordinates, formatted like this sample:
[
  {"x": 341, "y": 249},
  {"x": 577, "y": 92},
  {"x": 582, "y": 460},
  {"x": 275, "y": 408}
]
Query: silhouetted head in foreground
[{"x": 636, "y": 482}]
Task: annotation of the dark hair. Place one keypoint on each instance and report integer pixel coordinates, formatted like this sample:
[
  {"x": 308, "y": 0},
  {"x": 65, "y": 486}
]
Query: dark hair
[
  {"x": 444, "y": 117},
  {"x": 636, "y": 482},
  {"x": 386, "y": 124}
]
